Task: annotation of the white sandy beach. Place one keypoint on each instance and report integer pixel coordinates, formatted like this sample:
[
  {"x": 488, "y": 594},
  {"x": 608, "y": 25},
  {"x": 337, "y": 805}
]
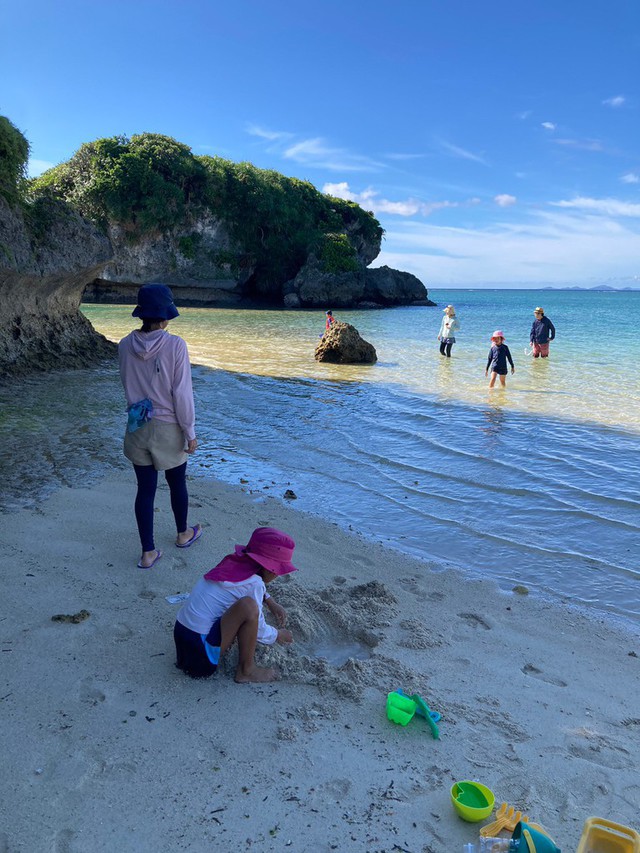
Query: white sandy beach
[{"x": 106, "y": 746}]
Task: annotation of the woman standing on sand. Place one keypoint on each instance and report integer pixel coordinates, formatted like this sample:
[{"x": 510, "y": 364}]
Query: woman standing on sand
[
  {"x": 156, "y": 375},
  {"x": 448, "y": 327}
]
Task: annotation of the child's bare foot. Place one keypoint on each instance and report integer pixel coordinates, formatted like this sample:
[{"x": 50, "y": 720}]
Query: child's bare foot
[{"x": 257, "y": 675}]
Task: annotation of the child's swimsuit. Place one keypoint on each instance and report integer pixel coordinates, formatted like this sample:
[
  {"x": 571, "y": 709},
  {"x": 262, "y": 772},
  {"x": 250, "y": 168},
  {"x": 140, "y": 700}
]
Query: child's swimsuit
[
  {"x": 497, "y": 360},
  {"x": 197, "y": 654}
]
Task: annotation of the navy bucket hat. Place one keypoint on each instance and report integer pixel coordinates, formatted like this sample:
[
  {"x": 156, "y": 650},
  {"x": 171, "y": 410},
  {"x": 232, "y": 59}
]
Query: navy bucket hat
[{"x": 155, "y": 301}]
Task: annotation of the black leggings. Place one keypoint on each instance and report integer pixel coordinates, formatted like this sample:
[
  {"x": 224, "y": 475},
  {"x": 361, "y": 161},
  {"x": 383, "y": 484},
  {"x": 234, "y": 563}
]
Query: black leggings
[
  {"x": 147, "y": 484},
  {"x": 445, "y": 348}
]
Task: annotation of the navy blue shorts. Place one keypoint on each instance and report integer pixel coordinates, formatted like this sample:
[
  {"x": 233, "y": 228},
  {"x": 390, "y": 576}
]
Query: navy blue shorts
[{"x": 197, "y": 654}]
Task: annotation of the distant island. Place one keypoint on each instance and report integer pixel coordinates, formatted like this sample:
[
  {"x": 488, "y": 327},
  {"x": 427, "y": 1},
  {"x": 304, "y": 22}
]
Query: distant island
[{"x": 600, "y": 287}]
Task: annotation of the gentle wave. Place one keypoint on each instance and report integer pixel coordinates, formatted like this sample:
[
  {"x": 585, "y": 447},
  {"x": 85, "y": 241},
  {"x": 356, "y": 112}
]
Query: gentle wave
[{"x": 536, "y": 485}]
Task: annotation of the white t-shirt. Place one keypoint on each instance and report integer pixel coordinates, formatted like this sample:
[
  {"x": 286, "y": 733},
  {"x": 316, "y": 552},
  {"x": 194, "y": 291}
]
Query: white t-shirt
[{"x": 210, "y": 599}]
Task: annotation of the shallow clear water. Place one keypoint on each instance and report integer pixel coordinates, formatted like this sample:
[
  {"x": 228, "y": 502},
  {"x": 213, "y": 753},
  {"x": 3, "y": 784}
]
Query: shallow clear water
[{"x": 536, "y": 484}]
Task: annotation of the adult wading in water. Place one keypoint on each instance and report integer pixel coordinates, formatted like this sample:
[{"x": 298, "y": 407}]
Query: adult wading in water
[
  {"x": 448, "y": 328},
  {"x": 542, "y": 333},
  {"x": 156, "y": 375}
]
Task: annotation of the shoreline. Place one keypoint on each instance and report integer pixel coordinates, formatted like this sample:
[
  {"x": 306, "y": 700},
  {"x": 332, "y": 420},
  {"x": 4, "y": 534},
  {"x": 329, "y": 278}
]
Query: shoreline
[
  {"x": 107, "y": 742},
  {"x": 51, "y": 459}
]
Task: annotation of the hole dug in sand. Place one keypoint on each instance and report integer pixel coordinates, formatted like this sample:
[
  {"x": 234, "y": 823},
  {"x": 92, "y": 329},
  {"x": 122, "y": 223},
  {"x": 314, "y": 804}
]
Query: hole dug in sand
[{"x": 336, "y": 631}]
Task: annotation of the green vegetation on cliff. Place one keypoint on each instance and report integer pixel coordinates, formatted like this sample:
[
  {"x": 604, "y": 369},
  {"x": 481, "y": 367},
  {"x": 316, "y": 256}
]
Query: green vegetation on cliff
[
  {"x": 14, "y": 153},
  {"x": 151, "y": 183}
]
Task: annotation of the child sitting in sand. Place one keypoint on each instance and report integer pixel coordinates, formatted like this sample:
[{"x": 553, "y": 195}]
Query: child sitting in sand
[
  {"x": 499, "y": 355},
  {"x": 227, "y": 603}
]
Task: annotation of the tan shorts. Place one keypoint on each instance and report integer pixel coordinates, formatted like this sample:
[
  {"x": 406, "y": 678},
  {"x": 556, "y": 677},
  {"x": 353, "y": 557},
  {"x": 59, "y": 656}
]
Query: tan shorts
[{"x": 156, "y": 443}]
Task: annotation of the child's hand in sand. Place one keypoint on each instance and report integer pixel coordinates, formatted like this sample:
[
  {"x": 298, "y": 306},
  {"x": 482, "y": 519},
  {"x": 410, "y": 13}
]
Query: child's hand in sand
[
  {"x": 278, "y": 611},
  {"x": 285, "y": 637}
]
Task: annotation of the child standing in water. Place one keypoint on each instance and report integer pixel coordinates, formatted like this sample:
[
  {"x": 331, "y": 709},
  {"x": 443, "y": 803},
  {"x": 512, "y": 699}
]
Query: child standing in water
[
  {"x": 499, "y": 355},
  {"x": 227, "y": 603},
  {"x": 448, "y": 327}
]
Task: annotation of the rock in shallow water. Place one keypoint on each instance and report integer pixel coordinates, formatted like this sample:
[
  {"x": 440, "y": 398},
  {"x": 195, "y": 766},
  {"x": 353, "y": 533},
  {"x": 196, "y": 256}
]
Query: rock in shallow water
[{"x": 342, "y": 344}]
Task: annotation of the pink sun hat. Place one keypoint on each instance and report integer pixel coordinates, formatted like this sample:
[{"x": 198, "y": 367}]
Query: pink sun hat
[
  {"x": 270, "y": 548},
  {"x": 498, "y": 334}
]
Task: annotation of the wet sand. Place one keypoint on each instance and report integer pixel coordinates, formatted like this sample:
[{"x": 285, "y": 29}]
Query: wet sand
[{"x": 107, "y": 746}]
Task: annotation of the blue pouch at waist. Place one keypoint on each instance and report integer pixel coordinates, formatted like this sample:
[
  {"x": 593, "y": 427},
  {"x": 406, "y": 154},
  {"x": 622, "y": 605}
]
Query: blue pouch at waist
[{"x": 139, "y": 414}]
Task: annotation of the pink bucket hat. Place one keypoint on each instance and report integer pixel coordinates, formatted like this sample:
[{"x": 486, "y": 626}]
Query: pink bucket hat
[
  {"x": 270, "y": 548},
  {"x": 498, "y": 334}
]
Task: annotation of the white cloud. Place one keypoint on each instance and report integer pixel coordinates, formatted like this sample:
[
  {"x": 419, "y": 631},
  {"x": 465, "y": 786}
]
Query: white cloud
[
  {"x": 505, "y": 200},
  {"x": 270, "y": 135},
  {"x": 614, "y": 102},
  {"x": 551, "y": 246},
  {"x": 607, "y": 206},
  {"x": 316, "y": 152},
  {"x": 581, "y": 144},
  {"x": 524, "y": 114},
  {"x": 369, "y": 200},
  {"x": 630, "y": 178},
  {"x": 462, "y": 153},
  {"x": 405, "y": 156},
  {"x": 37, "y": 167},
  {"x": 548, "y": 125}
]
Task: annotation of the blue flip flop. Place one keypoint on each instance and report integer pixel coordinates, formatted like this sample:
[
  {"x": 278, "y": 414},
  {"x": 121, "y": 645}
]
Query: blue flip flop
[
  {"x": 151, "y": 565},
  {"x": 197, "y": 533}
]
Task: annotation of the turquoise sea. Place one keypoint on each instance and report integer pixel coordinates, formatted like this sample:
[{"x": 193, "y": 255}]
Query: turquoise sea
[{"x": 537, "y": 484}]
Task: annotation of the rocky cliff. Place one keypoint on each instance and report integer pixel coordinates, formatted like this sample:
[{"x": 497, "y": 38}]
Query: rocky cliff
[
  {"x": 221, "y": 232},
  {"x": 123, "y": 212},
  {"x": 46, "y": 260}
]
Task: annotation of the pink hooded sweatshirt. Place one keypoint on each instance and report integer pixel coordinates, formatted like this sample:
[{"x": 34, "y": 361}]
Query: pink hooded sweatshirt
[{"x": 156, "y": 365}]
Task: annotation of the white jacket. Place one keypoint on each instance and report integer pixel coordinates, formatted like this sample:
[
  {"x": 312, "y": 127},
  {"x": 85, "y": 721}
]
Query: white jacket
[{"x": 449, "y": 326}]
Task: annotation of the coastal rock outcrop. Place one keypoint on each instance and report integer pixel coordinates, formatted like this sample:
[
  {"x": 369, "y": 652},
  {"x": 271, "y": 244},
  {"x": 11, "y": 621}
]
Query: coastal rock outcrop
[
  {"x": 222, "y": 233},
  {"x": 48, "y": 253},
  {"x": 198, "y": 260},
  {"x": 364, "y": 288},
  {"x": 342, "y": 344},
  {"x": 124, "y": 211}
]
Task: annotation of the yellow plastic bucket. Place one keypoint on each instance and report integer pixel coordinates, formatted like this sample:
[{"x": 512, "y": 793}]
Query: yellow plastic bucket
[{"x": 604, "y": 836}]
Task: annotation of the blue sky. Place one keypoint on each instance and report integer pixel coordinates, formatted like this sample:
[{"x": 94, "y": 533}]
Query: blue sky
[{"x": 498, "y": 142}]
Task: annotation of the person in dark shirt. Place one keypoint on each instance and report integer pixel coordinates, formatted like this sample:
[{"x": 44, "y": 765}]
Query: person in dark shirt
[
  {"x": 542, "y": 332},
  {"x": 499, "y": 355}
]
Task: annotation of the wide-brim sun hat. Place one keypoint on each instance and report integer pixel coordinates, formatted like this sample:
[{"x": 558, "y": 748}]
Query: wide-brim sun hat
[
  {"x": 498, "y": 334},
  {"x": 270, "y": 548},
  {"x": 155, "y": 302},
  {"x": 449, "y": 307}
]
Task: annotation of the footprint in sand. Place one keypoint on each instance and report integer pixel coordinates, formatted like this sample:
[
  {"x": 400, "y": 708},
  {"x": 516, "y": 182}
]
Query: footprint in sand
[
  {"x": 412, "y": 585},
  {"x": 435, "y": 596},
  {"x": 475, "y": 621},
  {"x": 122, "y": 632},
  {"x": 147, "y": 594},
  {"x": 90, "y": 693},
  {"x": 63, "y": 841},
  {"x": 598, "y": 749},
  {"x": 534, "y": 672}
]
